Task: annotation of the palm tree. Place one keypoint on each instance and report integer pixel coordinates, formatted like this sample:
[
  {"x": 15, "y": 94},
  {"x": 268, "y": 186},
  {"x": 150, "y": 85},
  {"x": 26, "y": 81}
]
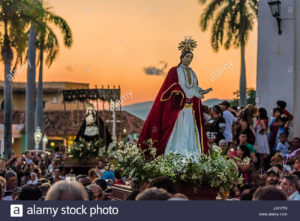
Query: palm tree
[
  {"x": 13, "y": 41},
  {"x": 30, "y": 89},
  {"x": 33, "y": 9},
  {"x": 233, "y": 20},
  {"x": 47, "y": 42}
]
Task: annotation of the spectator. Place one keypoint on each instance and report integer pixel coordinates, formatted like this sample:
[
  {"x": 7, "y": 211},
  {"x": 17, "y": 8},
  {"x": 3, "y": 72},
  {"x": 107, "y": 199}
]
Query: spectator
[
  {"x": 282, "y": 105},
  {"x": 290, "y": 186},
  {"x": 215, "y": 126},
  {"x": 102, "y": 183},
  {"x": 63, "y": 190},
  {"x": 247, "y": 191},
  {"x": 282, "y": 128},
  {"x": 118, "y": 178},
  {"x": 231, "y": 153},
  {"x": 262, "y": 145},
  {"x": 85, "y": 180},
  {"x": 100, "y": 169},
  {"x": 109, "y": 177},
  {"x": 154, "y": 194},
  {"x": 276, "y": 114},
  {"x": 96, "y": 190},
  {"x": 92, "y": 175},
  {"x": 295, "y": 148},
  {"x": 297, "y": 163},
  {"x": 273, "y": 176},
  {"x": 28, "y": 157},
  {"x": 297, "y": 173},
  {"x": 246, "y": 124},
  {"x": 229, "y": 120},
  {"x": 269, "y": 193},
  {"x": 243, "y": 141},
  {"x": 11, "y": 183},
  {"x": 44, "y": 189},
  {"x": 243, "y": 161},
  {"x": 223, "y": 145},
  {"x": 58, "y": 174},
  {"x": 30, "y": 192},
  {"x": 283, "y": 146},
  {"x": 33, "y": 179}
]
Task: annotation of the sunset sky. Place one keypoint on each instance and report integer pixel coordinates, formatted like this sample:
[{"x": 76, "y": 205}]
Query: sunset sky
[{"x": 115, "y": 40}]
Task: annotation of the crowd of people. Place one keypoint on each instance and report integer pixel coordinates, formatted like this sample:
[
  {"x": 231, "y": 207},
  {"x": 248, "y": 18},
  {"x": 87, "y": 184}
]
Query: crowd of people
[
  {"x": 266, "y": 157},
  {"x": 259, "y": 145}
]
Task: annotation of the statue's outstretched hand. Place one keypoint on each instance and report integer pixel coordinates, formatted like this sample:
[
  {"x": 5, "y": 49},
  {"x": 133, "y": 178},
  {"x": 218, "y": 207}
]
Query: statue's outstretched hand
[{"x": 201, "y": 92}]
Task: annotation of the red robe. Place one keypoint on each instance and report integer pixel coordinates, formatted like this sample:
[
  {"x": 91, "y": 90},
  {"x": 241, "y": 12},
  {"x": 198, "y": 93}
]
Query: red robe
[{"x": 164, "y": 112}]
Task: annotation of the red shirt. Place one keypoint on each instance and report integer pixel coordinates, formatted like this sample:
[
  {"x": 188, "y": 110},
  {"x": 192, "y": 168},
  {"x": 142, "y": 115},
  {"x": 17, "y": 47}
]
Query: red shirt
[
  {"x": 120, "y": 182},
  {"x": 287, "y": 114}
]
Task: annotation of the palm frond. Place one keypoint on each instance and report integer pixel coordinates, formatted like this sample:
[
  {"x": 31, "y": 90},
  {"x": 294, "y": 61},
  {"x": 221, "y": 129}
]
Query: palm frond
[
  {"x": 254, "y": 6},
  {"x": 208, "y": 13},
  {"x": 51, "y": 46},
  {"x": 219, "y": 28},
  {"x": 64, "y": 28}
]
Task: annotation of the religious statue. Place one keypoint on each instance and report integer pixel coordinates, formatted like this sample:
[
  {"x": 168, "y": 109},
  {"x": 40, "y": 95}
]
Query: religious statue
[
  {"x": 176, "y": 122},
  {"x": 93, "y": 127}
]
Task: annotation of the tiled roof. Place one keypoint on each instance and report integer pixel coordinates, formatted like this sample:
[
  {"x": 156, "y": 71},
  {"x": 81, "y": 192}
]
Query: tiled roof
[{"x": 60, "y": 123}]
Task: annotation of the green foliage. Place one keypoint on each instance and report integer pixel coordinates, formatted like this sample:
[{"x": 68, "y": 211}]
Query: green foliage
[
  {"x": 213, "y": 170},
  {"x": 251, "y": 96},
  {"x": 47, "y": 40},
  {"x": 84, "y": 151}
]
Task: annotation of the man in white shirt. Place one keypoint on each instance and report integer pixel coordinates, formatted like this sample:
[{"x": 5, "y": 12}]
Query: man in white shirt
[{"x": 229, "y": 120}]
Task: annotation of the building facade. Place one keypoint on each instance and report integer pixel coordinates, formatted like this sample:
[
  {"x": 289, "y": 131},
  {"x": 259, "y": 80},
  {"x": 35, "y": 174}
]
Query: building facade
[{"x": 278, "y": 59}]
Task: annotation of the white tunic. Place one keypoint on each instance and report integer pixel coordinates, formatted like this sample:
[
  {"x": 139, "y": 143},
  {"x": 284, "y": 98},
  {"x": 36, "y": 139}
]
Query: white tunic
[{"x": 184, "y": 138}]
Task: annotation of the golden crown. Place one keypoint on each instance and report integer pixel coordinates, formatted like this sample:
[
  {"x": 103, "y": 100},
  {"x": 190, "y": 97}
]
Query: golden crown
[
  {"x": 90, "y": 106},
  {"x": 188, "y": 44}
]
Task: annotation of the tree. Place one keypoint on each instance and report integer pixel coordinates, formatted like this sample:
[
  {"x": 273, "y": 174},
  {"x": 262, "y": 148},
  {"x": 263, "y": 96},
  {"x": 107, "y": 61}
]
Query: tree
[
  {"x": 33, "y": 9},
  {"x": 233, "y": 20},
  {"x": 47, "y": 42},
  {"x": 13, "y": 42},
  {"x": 251, "y": 95}
]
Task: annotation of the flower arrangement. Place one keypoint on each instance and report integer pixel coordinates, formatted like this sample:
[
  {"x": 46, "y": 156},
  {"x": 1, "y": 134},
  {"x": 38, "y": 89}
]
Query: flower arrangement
[
  {"x": 213, "y": 170},
  {"x": 83, "y": 151},
  {"x": 132, "y": 161}
]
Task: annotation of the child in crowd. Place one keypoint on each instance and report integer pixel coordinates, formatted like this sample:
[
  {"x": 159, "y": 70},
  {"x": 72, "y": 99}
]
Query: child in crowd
[
  {"x": 282, "y": 128},
  {"x": 283, "y": 146}
]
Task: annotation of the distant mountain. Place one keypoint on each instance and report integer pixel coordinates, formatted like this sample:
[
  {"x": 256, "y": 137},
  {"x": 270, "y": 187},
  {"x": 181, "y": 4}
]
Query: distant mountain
[{"x": 141, "y": 110}]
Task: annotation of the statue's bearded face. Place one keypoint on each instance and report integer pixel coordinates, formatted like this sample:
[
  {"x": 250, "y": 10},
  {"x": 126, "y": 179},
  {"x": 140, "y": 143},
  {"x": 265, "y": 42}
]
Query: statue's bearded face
[{"x": 187, "y": 59}]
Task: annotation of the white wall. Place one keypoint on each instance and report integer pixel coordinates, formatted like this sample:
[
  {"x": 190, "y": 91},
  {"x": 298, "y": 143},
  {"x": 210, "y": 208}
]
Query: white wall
[{"x": 278, "y": 59}]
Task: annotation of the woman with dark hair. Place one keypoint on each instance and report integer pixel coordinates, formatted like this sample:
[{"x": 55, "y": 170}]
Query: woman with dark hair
[
  {"x": 246, "y": 125},
  {"x": 262, "y": 145},
  {"x": 282, "y": 105},
  {"x": 215, "y": 127},
  {"x": 243, "y": 161},
  {"x": 176, "y": 122}
]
